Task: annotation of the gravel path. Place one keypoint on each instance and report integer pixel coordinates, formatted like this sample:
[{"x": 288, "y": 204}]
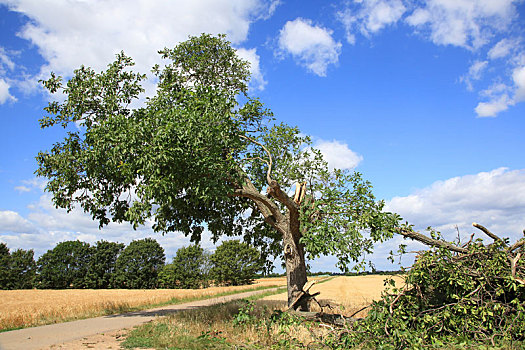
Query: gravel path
[{"x": 88, "y": 333}]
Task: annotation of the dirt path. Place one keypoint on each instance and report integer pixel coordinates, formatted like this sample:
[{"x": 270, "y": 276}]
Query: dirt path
[{"x": 97, "y": 333}]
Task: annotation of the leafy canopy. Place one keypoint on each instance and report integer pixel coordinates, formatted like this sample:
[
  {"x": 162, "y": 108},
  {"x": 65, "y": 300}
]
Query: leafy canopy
[
  {"x": 64, "y": 266},
  {"x": 187, "y": 270},
  {"x": 235, "y": 263},
  {"x": 181, "y": 156},
  {"x": 17, "y": 268},
  {"x": 139, "y": 264}
]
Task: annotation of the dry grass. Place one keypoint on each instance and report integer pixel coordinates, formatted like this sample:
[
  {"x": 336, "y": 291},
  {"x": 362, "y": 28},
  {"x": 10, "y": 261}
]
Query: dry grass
[
  {"x": 218, "y": 327},
  {"x": 348, "y": 294},
  {"x": 26, "y": 308},
  {"x": 214, "y": 328}
]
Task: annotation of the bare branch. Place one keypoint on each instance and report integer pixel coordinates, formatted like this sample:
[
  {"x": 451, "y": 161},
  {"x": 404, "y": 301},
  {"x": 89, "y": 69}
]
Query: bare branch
[
  {"x": 269, "y": 162},
  {"x": 430, "y": 241},
  {"x": 487, "y": 232}
]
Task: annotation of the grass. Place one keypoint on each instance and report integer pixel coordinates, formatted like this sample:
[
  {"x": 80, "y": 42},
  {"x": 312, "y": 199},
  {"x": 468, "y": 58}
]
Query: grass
[
  {"x": 237, "y": 324},
  {"x": 243, "y": 324},
  {"x": 27, "y": 308},
  {"x": 251, "y": 323}
]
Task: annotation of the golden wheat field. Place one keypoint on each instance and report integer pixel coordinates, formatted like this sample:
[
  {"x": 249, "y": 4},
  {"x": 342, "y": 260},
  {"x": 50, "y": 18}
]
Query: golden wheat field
[
  {"x": 349, "y": 293},
  {"x": 25, "y": 308}
]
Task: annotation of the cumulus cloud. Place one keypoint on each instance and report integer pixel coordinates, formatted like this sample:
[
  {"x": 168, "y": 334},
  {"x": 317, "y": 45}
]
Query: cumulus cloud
[
  {"x": 310, "y": 45},
  {"x": 370, "y": 16},
  {"x": 69, "y": 34},
  {"x": 494, "y": 199},
  {"x": 469, "y": 24},
  {"x": 493, "y": 107},
  {"x": 464, "y": 23},
  {"x": 338, "y": 154},
  {"x": 257, "y": 81},
  {"x": 502, "y": 96},
  {"x": 45, "y": 226},
  {"x": 14, "y": 223}
]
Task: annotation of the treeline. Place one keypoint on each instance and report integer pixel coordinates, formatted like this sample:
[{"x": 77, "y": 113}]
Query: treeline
[{"x": 140, "y": 265}]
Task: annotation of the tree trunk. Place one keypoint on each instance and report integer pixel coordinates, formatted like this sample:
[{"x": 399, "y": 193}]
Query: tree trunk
[
  {"x": 288, "y": 225},
  {"x": 295, "y": 266}
]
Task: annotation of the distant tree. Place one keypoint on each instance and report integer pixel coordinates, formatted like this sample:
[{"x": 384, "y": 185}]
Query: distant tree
[
  {"x": 139, "y": 264},
  {"x": 17, "y": 269},
  {"x": 235, "y": 263},
  {"x": 22, "y": 269},
  {"x": 5, "y": 259},
  {"x": 64, "y": 266},
  {"x": 188, "y": 269},
  {"x": 102, "y": 265}
]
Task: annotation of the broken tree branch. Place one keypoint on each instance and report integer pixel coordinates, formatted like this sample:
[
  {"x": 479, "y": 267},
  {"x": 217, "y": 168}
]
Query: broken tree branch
[
  {"x": 487, "y": 232},
  {"x": 516, "y": 245},
  {"x": 513, "y": 262},
  {"x": 303, "y": 294},
  {"x": 430, "y": 241}
]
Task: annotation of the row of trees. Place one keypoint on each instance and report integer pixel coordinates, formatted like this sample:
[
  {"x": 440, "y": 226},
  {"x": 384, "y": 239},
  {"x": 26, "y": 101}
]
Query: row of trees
[{"x": 140, "y": 265}]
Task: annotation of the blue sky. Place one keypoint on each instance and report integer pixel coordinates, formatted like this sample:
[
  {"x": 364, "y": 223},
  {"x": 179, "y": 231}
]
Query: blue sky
[{"x": 425, "y": 98}]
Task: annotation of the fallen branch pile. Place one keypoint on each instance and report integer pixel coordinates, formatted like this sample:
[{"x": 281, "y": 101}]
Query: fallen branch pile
[{"x": 453, "y": 294}]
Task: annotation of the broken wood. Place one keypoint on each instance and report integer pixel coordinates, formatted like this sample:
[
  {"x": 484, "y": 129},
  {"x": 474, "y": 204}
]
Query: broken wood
[
  {"x": 430, "y": 241},
  {"x": 333, "y": 319},
  {"x": 300, "y": 191},
  {"x": 303, "y": 294},
  {"x": 487, "y": 232}
]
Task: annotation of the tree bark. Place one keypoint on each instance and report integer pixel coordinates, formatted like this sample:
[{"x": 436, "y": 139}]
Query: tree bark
[
  {"x": 288, "y": 224},
  {"x": 295, "y": 266}
]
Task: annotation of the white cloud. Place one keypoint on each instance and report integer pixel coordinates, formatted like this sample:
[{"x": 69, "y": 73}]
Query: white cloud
[
  {"x": 22, "y": 189},
  {"x": 499, "y": 99},
  {"x": 370, "y": 16},
  {"x": 465, "y": 23},
  {"x": 11, "y": 221},
  {"x": 45, "y": 226},
  {"x": 518, "y": 76},
  {"x": 338, "y": 154},
  {"x": 69, "y": 34},
  {"x": 502, "y": 48},
  {"x": 474, "y": 73},
  {"x": 5, "y": 60},
  {"x": 312, "y": 46},
  {"x": 5, "y": 95},
  {"x": 257, "y": 79},
  {"x": 493, "y": 107},
  {"x": 494, "y": 199}
]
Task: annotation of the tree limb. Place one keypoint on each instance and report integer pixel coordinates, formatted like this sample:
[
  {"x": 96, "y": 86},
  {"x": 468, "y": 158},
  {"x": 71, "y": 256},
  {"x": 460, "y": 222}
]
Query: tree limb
[
  {"x": 276, "y": 192},
  {"x": 269, "y": 162},
  {"x": 487, "y": 232},
  {"x": 430, "y": 241},
  {"x": 265, "y": 206},
  {"x": 516, "y": 245}
]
